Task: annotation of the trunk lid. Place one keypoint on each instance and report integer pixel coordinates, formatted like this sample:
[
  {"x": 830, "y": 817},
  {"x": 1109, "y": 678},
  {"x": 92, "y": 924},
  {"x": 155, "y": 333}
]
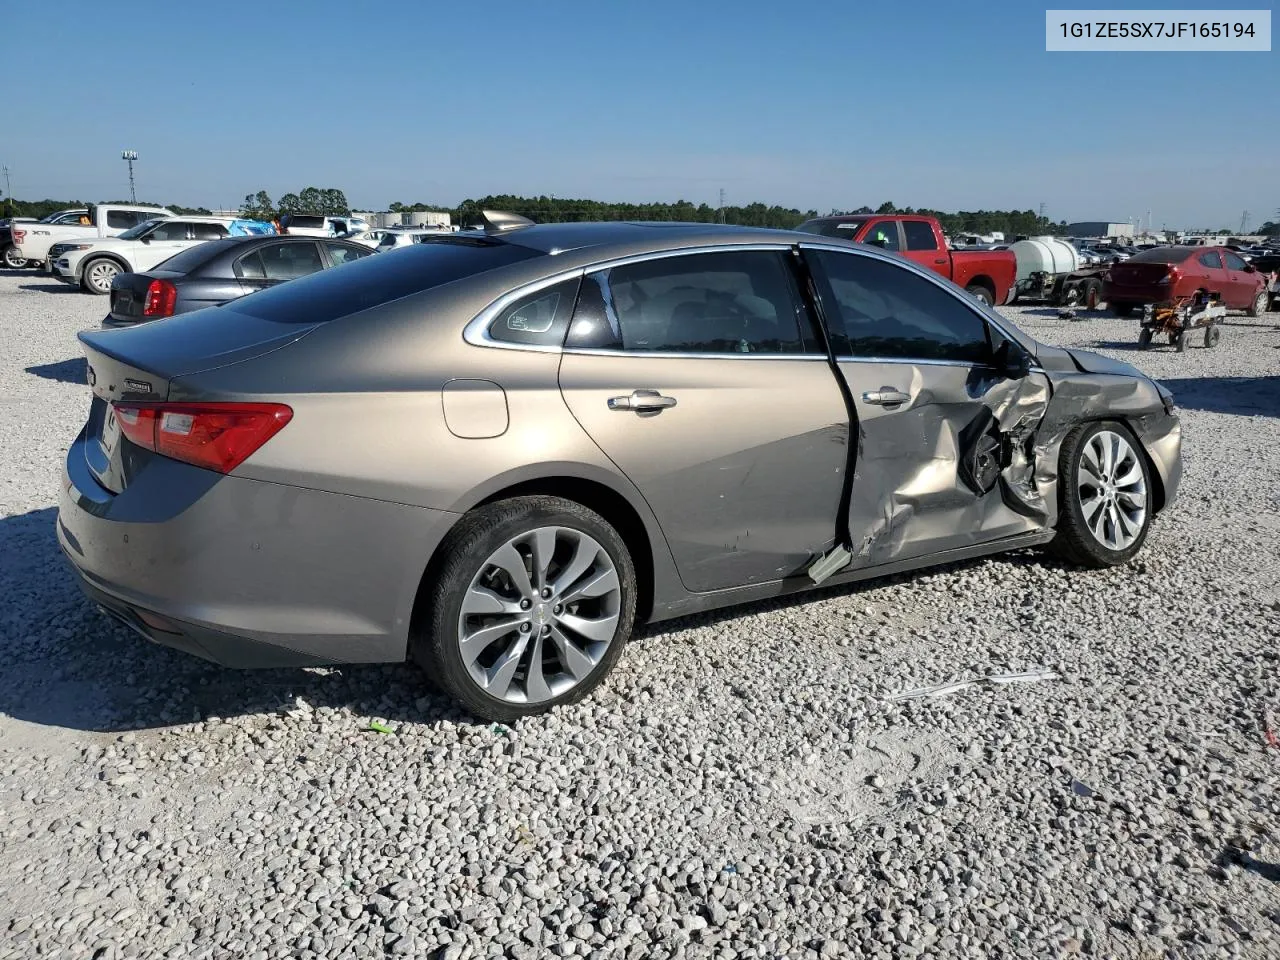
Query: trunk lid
[
  {"x": 1139, "y": 273},
  {"x": 140, "y": 363}
]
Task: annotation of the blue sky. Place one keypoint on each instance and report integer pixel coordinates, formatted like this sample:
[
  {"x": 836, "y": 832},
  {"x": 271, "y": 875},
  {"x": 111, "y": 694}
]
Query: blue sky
[{"x": 813, "y": 105}]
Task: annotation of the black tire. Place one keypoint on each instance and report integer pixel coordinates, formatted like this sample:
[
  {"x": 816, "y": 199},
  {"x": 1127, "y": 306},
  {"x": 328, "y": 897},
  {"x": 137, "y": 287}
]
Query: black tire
[
  {"x": 1212, "y": 334},
  {"x": 1259, "y": 305},
  {"x": 1144, "y": 338},
  {"x": 979, "y": 292},
  {"x": 1092, "y": 294},
  {"x": 464, "y": 554},
  {"x": 1074, "y": 541},
  {"x": 12, "y": 259},
  {"x": 1122, "y": 309}
]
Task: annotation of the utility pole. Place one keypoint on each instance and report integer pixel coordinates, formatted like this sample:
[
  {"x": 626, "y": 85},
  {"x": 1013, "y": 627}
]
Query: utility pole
[
  {"x": 130, "y": 155},
  {"x": 722, "y": 205},
  {"x": 8, "y": 192}
]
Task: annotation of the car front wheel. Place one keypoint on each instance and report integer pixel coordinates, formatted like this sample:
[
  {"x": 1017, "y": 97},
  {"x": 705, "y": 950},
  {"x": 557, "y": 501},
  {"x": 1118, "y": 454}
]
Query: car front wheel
[
  {"x": 1105, "y": 503},
  {"x": 1259, "y": 305},
  {"x": 530, "y": 608}
]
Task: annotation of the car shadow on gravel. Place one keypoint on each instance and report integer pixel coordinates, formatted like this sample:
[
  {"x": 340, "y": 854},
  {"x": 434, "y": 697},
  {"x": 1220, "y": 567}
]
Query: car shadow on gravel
[
  {"x": 64, "y": 371},
  {"x": 1245, "y": 396},
  {"x": 49, "y": 287},
  {"x": 64, "y": 664}
]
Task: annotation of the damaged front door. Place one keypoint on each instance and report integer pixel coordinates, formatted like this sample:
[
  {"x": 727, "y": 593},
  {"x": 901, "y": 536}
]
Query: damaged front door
[
  {"x": 945, "y": 421},
  {"x": 700, "y": 375}
]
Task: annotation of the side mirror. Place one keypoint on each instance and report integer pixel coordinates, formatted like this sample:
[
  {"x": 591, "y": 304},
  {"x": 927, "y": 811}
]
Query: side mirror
[
  {"x": 146, "y": 239},
  {"x": 878, "y": 242},
  {"x": 1012, "y": 361},
  {"x": 1250, "y": 268}
]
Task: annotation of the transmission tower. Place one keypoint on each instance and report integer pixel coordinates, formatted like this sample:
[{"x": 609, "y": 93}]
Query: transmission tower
[
  {"x": 1244, "y": 222},
  {"x": 1041, "y": 209},
  {"x": 721, "y": 205}
]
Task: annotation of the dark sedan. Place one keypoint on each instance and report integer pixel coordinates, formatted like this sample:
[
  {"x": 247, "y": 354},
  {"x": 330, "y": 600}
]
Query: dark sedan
[{"x": 219, "y": 271}]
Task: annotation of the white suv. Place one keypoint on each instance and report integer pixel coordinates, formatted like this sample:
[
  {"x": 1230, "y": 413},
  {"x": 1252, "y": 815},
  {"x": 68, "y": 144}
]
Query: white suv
[
  {"x": 93, "y": 264},
  {"x": 404, "y": 238}
]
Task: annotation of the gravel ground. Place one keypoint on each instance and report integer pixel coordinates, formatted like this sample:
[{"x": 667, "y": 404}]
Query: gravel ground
[{"x": 741, "y": 787}]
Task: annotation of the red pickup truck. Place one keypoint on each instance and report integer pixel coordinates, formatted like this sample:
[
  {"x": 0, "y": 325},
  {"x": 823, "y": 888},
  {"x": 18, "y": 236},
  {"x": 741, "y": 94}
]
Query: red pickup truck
[{"x": 986, "y": 274}]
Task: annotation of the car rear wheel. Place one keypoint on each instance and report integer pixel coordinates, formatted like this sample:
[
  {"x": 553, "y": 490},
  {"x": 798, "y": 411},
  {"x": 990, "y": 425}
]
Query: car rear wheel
[
  {"x": 13, "y": 259},
  {"x": 530, "y": 608},
  {"x": 1259, "y": 305},
  {"x": 1122, "y": 309},
  {"x": 980, "y": 292},
  {"x": 98, "y": 275},
  {"x": 1105, "y": 504}
]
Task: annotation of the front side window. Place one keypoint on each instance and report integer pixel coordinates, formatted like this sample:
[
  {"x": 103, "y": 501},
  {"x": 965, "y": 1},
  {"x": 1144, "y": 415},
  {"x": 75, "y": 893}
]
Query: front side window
[
  {"x": 1211, "y": 260},
  {"x": 540, "y": 318},
  {"x": 1233, "y": 262},
  {"x": 882, "y": 310},
  {"x": 883, "y": 235},
  {"x": 169, "y": 230},
  {"x": 919, "y": 235},
  {"x": 731, "y": 302}
]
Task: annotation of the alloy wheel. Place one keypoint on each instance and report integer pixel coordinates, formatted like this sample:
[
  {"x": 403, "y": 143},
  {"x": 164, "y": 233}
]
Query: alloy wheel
[
  {"x": 100, "y": 274},
  {"x": 539, "y": 615},
  {"x": 1112, "y": 490},
  {"x": 13, "y": 259}
]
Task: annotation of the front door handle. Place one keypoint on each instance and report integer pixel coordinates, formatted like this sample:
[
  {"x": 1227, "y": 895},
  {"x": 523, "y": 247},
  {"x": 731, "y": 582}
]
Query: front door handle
[
  {"x": 886, "y": 397},
  {"x": 642, "y": 401},
  {"x": 940, "y": 260}
]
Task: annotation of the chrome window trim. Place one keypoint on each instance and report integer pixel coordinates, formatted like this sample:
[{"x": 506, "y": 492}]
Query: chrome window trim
[
  {"x": 907, "y": 361},
  {"x": 476, "y": 332},
  {"x": 674, "y": 355}
]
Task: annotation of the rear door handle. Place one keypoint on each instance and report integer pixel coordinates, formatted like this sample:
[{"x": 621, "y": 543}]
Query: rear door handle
[
  {"x": 642, "y": 401},
  {"x": 886, "y": 397}
]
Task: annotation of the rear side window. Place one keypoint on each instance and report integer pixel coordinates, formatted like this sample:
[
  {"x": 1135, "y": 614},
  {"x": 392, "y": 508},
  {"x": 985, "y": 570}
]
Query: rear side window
[
  {"x": 373, "y": 281},
  {"x": 919, "y": 235},
  {"x": 289, "y": 261},
  {"x": 340, "y": 253},
  {"x": 123, "y": 219},
  {"x": 887, "y": 311},
  {"x": 539, "y": 319},
  {"x": 731, "y": 302},
  {"x": 208, "y": 231},
  {"x": 1211, "y": 260},
  {"x": 249, "y": 267}
]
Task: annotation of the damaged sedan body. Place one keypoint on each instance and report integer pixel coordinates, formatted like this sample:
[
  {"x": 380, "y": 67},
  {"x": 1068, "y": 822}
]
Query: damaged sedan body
[{"x": 494, "y": 453}]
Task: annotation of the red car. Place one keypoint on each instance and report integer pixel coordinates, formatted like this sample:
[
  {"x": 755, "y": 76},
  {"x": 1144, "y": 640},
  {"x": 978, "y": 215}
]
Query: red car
[{"x": 1169, "y": 273}]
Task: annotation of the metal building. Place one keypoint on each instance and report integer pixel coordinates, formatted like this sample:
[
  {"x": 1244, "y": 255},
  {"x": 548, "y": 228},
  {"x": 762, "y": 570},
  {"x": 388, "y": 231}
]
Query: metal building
[{"x": 1099, "y": 228}]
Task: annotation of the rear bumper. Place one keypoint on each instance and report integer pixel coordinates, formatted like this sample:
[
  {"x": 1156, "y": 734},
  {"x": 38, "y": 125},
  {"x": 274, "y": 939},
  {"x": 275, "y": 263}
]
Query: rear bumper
[{"x": 247, "y": 573}]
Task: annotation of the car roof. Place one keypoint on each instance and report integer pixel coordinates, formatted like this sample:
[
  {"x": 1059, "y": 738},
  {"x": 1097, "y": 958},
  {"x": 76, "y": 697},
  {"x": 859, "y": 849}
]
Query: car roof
[{"x": 588, "y": 242}]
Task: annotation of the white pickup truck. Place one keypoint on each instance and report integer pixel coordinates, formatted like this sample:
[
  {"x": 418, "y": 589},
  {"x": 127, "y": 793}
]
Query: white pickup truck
[{"x": 33, "y": 240}]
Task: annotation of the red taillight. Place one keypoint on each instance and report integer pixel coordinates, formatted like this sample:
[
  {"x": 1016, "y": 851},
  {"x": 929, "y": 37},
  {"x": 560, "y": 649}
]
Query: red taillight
[
  {"x": 217, "y": 436},
  {"x": 18, "y": 235},
  {"x": 1172, "y": 275},
  {"x": 161, "y": 297}
]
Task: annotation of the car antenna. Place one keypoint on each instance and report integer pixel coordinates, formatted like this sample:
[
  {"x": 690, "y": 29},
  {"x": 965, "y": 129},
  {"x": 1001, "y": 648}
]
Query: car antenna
[{"x": 497, "y": 221}]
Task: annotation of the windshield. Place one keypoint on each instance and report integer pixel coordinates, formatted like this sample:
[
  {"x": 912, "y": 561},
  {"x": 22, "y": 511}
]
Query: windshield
[
  {"x": 135, "y": 233},
  {"x": 833, "y": 228}
]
